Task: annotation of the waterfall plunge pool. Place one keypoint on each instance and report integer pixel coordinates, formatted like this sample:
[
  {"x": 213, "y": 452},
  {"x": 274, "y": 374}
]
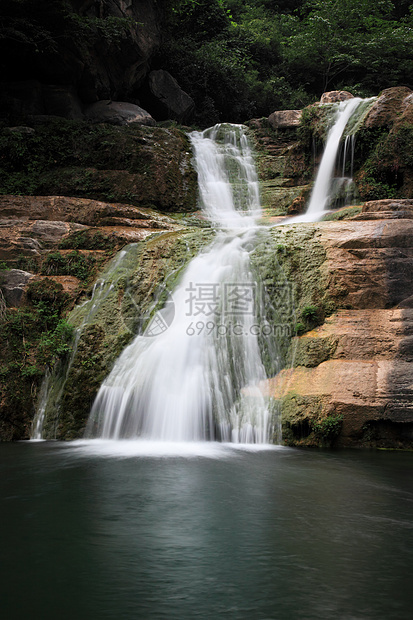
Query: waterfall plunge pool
[{"x": 125, "y": 530}]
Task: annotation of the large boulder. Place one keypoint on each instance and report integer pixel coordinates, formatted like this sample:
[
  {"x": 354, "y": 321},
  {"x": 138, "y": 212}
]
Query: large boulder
[
  {"x": 285, "y": 118},
  {"x": 391, "y": 103},
  {"x": 166, "y": 98},
  {"x": 12, "y": 284},
  {"x": 118, "y": 113}
]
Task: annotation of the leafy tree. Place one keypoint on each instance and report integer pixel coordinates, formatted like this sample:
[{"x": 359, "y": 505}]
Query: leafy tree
[{"x": 347, "y": 41}]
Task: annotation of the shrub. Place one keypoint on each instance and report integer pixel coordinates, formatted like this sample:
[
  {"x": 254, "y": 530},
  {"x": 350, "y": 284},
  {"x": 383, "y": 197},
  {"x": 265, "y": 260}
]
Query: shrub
[{"x": 328, "y": 429}]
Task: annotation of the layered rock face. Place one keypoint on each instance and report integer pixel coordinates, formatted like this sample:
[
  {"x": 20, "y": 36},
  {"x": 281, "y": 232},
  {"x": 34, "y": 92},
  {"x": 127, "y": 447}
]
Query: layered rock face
[{"x": 357, "y": 367}]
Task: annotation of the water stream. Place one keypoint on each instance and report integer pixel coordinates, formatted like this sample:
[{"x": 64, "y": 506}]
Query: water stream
[
  {"x": 198, "y": 379},
  {"x": 324, "y": 191}
]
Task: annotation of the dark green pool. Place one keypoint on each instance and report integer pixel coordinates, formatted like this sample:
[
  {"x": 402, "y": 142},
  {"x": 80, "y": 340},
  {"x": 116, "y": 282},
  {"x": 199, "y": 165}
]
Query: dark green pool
[{"x": 102, "y": 531}]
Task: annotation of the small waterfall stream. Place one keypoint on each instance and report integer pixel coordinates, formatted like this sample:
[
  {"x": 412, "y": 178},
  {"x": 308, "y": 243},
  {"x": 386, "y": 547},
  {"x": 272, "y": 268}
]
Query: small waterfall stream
[
  {"x": 199, "y": 378},
  {"x": 322, "y": 191}
]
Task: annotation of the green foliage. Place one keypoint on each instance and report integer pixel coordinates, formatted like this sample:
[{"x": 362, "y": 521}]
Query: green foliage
[
  {"x": 72, "y": 264},
  {"x": 49, "y": 299},
  {"x": 327, "y": 429},
  {"x": 266, "y": 55},
  {"x": 88, "y": 240},
  {"x": 310, "y": 313},
  {"x": 299, "y": 328},
  {"x": 56, "y": 343}
]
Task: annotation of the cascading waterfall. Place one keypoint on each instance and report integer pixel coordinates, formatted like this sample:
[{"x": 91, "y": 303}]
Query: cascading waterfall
[
  {"x": 199, "y": 378},
  {"x": 321, "y": 194}
]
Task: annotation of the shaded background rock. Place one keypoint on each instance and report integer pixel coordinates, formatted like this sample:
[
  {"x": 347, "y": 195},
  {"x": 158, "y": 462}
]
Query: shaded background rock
[
  {"x": 166, "y": 99},
  {"x": 117, "y": 113},
  {"x": 86, "y": 54}
]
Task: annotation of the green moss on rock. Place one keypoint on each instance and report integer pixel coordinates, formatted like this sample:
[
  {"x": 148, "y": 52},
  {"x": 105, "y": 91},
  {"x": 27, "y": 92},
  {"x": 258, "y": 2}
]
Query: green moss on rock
[
  {"x": 143, "y": 166},
  {"x": 126, "y": 295}
]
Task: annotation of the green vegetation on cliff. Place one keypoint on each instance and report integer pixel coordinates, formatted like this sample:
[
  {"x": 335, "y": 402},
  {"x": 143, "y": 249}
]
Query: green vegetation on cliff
[{"x": 33, "y": 337}]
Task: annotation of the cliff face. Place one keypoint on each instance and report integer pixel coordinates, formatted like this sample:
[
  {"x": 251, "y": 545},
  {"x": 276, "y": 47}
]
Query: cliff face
[
  {"x": 354, "y": 370},
  {"x": 75, "y": 52}
]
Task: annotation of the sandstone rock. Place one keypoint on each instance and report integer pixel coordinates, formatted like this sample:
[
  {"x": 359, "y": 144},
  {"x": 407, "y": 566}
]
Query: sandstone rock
[
  {"x": 27, "y": 237},
  {"x": 41, "y": 223},
  {"x": 168, "y": 100},
  {"x": 58, "y": 209},
  {"x": 390, "y": 103},
  {"x": 285, "y": 118},
  {"x": 118, "y": 113},
  {"x": 369, "y": 264},
  {"x": 51, "y": 232},
  {"x": 367, "y": 377},
  {"x": 359, "y": 362},
  {"x": 394, "y": 208},
  {"x": 12, "y": 284},
  {"x": 334, "y": 96}
]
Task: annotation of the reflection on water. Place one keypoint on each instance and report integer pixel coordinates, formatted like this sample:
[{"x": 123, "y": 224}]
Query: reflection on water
[{"x": 98, "y": 530}]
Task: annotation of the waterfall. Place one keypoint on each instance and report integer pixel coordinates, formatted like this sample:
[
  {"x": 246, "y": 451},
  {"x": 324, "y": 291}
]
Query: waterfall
[
  {"x": 198, "y": 378},
  {"x": 322, "y": 191}
]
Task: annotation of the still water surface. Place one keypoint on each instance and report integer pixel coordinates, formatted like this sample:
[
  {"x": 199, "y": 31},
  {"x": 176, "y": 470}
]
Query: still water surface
[{"x": 95, "y": 531}]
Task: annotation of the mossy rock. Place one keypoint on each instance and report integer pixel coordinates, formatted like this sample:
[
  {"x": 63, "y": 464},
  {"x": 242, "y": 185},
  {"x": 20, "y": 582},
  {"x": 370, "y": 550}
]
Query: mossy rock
[
  {"x": 143, "y": 166},
  {"x": 127, "y": 294}
]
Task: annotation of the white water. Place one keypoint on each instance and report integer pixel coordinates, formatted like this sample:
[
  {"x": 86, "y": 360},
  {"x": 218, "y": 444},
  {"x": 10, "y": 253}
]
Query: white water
[
  {"x": 198, "y": 380},
  {"x": 319, "y": 200}
]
